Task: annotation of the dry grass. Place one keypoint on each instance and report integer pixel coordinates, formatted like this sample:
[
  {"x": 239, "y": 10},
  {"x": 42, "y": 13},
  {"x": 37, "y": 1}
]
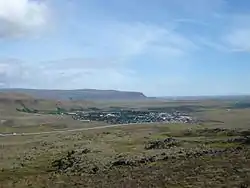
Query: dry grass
[
  {"x": 27, "y": 161},
  {"x": 206, "y": 155}
]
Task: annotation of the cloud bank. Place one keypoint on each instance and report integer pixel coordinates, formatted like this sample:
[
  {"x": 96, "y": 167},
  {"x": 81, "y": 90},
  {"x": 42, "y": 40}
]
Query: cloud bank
[{"x": 21, "y": 17}]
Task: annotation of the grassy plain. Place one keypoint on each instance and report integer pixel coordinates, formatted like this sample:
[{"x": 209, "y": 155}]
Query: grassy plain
[{"x": 212, "y": 153}]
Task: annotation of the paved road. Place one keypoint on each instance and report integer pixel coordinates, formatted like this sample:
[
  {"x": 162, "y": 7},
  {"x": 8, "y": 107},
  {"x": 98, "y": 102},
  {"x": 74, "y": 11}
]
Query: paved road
[{"x": 63, "y": 131}]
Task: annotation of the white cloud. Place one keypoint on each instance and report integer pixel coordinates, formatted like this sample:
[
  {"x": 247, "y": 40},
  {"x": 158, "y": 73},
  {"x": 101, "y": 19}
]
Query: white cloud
[
  {"x": 213, "y": 44},
  {"x": 20, "y": 17},
  {"x": 125, "y": 40},
  {"x": 239, "y": 39},
  {"x": 83, "y": 73},
  {"x": 91, "y": 78},
  {"x": 64, "y": 74},
  {"x": 107, "y": 58},
  {"x": 236, "y": 35},
  {"x": 108, "y": 62}
]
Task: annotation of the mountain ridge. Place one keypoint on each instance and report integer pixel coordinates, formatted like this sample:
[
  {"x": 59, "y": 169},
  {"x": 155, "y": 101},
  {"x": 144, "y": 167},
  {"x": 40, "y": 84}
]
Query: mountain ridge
[{"x": 77, "y": 94}]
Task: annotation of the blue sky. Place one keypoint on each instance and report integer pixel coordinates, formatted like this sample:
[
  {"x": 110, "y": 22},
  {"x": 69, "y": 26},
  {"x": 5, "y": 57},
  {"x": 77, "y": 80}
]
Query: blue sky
[{"x": 160, "y": 47}]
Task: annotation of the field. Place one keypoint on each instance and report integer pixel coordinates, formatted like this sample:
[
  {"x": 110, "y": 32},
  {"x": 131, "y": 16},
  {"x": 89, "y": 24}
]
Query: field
[{"x": 212, "y": 153}]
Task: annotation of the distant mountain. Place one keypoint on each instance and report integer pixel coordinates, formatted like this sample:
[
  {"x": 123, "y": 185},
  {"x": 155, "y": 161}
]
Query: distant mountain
[
  {"x": 81, "y": 94},
  {"x": 211, "y": 97}
]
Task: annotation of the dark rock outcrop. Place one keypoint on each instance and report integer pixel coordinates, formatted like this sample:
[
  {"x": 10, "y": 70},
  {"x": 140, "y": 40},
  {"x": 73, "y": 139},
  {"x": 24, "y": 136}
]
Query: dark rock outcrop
[{"x": 162, "y": 144}]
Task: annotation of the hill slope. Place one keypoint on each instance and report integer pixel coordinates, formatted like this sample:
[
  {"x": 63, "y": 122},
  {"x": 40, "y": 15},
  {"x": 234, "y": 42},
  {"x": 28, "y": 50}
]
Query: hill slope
[{"x": 83, "y": 94}]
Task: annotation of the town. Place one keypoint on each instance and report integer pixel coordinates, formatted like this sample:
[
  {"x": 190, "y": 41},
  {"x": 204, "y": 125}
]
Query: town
[
  {"x": 119, "y": 115},
  {"x": 133, "y": 116}
]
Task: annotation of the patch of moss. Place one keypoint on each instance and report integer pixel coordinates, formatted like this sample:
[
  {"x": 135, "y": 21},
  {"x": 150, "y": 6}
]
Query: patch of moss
[{"x": 222, "y": 145}]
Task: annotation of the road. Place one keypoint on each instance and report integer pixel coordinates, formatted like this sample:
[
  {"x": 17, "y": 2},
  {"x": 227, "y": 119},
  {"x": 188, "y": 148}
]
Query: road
[{"x": 64, "y": 131}]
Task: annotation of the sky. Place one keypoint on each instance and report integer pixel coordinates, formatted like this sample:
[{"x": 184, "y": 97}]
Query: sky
[{"x": 160, "y": 47}]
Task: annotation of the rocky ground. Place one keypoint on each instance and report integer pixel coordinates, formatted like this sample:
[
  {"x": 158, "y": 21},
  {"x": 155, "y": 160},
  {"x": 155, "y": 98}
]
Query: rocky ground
[{"x": 142, "y": 156}]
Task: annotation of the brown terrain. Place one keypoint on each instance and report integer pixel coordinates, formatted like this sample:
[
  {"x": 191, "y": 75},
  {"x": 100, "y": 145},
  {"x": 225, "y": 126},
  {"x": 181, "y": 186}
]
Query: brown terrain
[{"x": 212, "y": 153}]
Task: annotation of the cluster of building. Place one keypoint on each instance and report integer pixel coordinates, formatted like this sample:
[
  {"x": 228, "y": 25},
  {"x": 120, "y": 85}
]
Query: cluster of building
[{"x": 132, "y": 116}]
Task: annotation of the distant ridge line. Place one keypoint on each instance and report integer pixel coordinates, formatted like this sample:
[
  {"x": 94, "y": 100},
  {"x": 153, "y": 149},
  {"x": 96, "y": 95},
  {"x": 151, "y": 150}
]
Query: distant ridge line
[{"x": 77, "y": 94}]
